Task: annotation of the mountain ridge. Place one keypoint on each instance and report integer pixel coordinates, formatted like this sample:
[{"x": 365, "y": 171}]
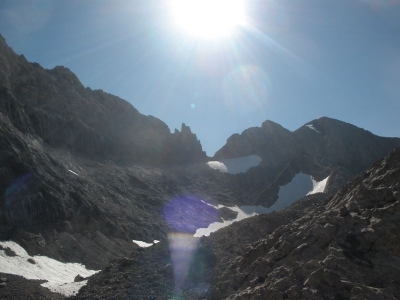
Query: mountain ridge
[{"x": 109, "y": 127}]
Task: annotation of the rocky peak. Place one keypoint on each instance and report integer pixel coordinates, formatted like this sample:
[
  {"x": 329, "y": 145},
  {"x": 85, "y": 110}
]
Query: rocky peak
[
  {"x": 186, "y": 146},
  {"x": 271, "y": 142},
  {"x": 3, "y": 45},
  {"x": 185, "y": 129}
]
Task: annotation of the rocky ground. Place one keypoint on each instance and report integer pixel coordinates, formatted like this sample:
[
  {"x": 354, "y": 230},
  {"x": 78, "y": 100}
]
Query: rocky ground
[
  {"x": 142, "y": 275},
  {"x": 14, "y": 287}
]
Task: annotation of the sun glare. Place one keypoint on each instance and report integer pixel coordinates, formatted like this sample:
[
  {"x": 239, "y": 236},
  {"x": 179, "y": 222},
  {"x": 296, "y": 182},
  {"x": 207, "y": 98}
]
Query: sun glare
[{"x": 208, "y": 18}]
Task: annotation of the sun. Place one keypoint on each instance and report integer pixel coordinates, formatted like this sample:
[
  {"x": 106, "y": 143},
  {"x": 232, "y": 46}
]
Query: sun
[{"x": 208, "y": 18}]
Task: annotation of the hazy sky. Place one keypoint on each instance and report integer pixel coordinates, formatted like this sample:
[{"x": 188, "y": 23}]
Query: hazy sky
[{"x": 291, "y": 61}]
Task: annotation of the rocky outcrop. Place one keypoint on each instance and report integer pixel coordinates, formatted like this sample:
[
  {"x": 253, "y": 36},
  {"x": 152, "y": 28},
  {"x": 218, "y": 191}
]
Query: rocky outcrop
[{"x": 185, "y": 146}]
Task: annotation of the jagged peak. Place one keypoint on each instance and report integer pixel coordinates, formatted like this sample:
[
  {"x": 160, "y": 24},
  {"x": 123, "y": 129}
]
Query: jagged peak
[
  {"x": 185, "y": 128},
  {"x": 2, "y": 39},
  {"x": 5, "y": 47}
]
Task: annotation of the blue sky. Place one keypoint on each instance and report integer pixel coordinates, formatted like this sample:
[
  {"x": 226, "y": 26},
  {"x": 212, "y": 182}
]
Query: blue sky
[{"x": 293, "y": 61}]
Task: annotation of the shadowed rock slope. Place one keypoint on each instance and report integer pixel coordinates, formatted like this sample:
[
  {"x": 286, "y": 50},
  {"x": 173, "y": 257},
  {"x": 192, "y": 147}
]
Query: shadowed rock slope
[{"x": 342, "y": 247}]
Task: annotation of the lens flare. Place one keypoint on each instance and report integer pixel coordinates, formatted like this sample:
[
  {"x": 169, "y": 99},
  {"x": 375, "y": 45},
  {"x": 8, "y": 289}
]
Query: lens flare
[
  {"x": 186, "y": 214},
  {"x": 190, "y": 264},
  {"x": 182, "y": 247}
]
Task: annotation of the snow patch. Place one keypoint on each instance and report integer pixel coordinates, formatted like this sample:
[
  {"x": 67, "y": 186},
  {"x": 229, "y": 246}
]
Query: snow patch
[
  {"x": 73, "y": 172},
  {"x": 217, "y": 165},
  {"x": 300, "y": 186},
  {"x": 142, "y": 244},
  {"x": 244, "y": 212},
  {"x": 318, "y": 186},
  {"x": 297, "y": 188},
  {"x": 311, "y": 126},
  {"x": 235, "y": 165},
  {"x": 60, "y": 276}
]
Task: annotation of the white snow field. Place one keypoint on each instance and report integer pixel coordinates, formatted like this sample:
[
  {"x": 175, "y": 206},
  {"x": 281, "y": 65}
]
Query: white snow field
[
  {"x": 60, "y": 276},
  {"x": 318, "y": 186},
  {"x": 300, "y": 186},
  {"x": 311, "y": 126},
  {"x": 244, "y": 212},
  {"x": 144, "y": 244},
  {"x": 235, "y": 165}
]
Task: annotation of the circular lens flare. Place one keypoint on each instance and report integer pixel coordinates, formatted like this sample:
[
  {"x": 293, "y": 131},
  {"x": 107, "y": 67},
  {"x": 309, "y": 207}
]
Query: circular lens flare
[{"x": 187, "y": 213}]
